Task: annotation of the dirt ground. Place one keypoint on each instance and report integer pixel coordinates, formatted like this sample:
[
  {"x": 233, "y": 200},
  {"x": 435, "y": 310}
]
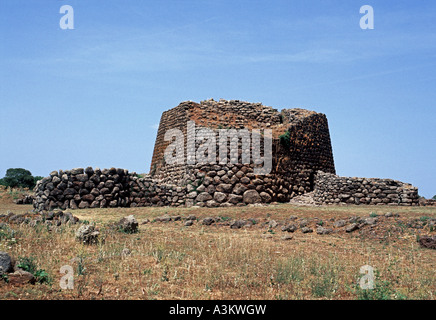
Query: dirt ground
[{"x": 168, "y": 260}]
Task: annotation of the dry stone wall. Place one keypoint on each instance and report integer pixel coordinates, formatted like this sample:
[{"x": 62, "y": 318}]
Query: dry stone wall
[
  {"x": 332, "y": 189},
  {"x": 107, "y": 188}
]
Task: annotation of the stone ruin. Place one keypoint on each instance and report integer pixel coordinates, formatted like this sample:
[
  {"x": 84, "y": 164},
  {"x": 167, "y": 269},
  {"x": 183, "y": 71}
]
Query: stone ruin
[{"x": 302, "y": 163}]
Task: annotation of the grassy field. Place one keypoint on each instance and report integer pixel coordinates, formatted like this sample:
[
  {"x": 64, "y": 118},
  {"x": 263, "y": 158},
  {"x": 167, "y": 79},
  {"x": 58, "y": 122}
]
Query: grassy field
[{"x": 167, "y": 260}]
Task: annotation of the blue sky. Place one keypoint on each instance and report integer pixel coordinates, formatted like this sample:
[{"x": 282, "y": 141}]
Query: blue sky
[{"x": 93, "y": 96}]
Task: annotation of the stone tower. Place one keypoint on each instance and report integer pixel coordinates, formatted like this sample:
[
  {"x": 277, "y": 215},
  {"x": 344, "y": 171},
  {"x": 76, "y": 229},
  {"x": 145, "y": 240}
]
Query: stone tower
[{"x": 301, "y": 146}]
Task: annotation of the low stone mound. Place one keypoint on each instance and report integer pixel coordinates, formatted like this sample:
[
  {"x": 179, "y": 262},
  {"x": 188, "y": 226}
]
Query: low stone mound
[{"x": 428, "y": 242}]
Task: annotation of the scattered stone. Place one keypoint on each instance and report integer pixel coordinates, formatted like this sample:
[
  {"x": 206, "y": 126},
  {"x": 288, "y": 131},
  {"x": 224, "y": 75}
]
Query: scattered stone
[
  {"x": 389, "y": 214},
  {"x": 21, "y": 277},
  {"x": 128, "y": 224},
  {"x": 208, "y": 221},
  {"x": 164, "y": 218},
  {"x": 322, "y": 230},
  {"x": 191, "y": 217},
  {"x": 339, "y": 224},
  {"x": 352, "y": 227},
  {"x": 17, "y": 219},
  {"x": 5, "y": 263},
  {"x": 145, "y": 221},
  {"x": 427, "y": 242},
  {"x": 290, "y": 228},
  {"x": 189, "y": 223},
  {"x": 306, "y": 230},
  {"x": 303, "y": 223},
  {"x": 371, "y": 221},
  {"x": 87, "y": 234},
  {"x": 287, "y": 237},
  {"x": 272, "y": 224},
  {"x": 237, "y": 224},
  {"x": 354, "y": 219}
]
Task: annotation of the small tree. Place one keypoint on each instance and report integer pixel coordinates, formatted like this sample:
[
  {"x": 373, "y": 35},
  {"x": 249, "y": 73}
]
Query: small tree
[
  {"x": 434, "y": 197},
  {"x": 18, "y": 178}
]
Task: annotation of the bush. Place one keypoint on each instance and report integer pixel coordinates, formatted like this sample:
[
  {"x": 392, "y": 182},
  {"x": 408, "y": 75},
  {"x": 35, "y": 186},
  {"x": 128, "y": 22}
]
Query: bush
[
  {"x": 285, "y": 139},
  {"x": 434, "y": 197},
  {"x": 18, "y": 177},
  {"x": 383, "y": 290},
  {"x": 28, "y": 264}
]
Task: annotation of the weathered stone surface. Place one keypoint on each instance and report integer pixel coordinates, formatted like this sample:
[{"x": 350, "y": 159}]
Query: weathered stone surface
[
  {"x": 87, "y": 234},
  {"x": 5, "y": 263},
  {"x": 427, "y": 242},
  {"x": 339, "y": 223},
  {"x": 352, "y": 227},
  {"x": 266, "y": 198},
  {"x": 204, "y": 196},
  {"x": 306, "y": 230},
  {"x": 164, "y": 218},
  {"x": 272, "y": 224},
  {"x": 128, "y": 224},
  {"x": 303, "y": 223},
  {"x": 77, "y": 171},
  {"x": 321, "y": 230},
  {"x": 208, "y": 221},
  {"x": 21, "y": 277},
  {"x": 304, "y": 164},
  {"x": 237, "y": 224},
  {"x": 191, "y": 217},
  {"x": 219, "y": 197},
  {"x": 83, "y": 205},
  {"x": 189, "y": 223},
  {"x": 251, "y": 197},
  {"x": 332, "y": 189},
  {"x": 370, "y": 221},
  {"x": 289, "y": 228}
]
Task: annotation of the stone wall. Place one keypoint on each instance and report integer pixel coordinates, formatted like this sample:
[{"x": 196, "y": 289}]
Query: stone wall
[
  {"x": 429, "y": 202},
  {"x": 332, "y": 189},
  {"x": 107, "y": 188}
]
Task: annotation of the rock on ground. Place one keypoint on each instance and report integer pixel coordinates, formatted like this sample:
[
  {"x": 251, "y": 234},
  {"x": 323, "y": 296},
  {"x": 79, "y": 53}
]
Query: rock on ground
[
  {"x": 208, "y": 221},
  {"x": 87, "y": 234},
  {"x": 21, "y": 277},
  {"x": 5, "y": 263},
  {"x": 128, "y": 224},
  {"x": 428, "y": 242}
]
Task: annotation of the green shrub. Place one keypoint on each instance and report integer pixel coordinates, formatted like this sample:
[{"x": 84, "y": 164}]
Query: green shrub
[
  {"x": 285, "y": 139},
  {"x": 28, "y": 264},
  {"x": 383, "y": 290}
]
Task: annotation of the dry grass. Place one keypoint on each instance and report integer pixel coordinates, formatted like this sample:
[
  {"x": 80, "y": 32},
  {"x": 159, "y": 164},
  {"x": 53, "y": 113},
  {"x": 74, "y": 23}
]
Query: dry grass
[{"x": 171, "y": 261}]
